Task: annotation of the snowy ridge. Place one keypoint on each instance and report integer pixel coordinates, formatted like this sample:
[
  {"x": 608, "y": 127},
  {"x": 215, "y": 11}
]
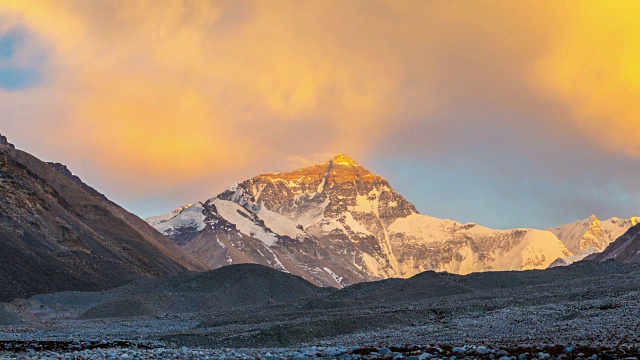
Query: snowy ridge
[
  {"x": 591, "y": 232},
  {"x": 470, "y": 247},
  {"x": 190, "y": 216},
  {"x": 242, "y": 219},
  {"x": 155, "y": 220}
]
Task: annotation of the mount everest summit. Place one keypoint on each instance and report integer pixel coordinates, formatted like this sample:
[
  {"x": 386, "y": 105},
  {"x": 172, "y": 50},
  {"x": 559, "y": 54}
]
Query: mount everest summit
[{"x": 337, "y": 224}]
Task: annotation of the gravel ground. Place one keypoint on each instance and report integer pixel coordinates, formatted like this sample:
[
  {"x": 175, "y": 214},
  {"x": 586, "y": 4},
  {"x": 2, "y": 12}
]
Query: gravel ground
[{"x": 501, "y": 316}]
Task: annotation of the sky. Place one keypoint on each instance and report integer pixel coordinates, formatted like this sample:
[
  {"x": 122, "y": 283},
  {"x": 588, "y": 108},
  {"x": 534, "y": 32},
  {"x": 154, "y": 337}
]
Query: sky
[{"x": 504, "y": 113}]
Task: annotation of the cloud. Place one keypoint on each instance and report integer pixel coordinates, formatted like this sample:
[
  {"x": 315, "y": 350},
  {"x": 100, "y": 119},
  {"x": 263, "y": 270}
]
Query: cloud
[
  {"x": 175, "y": 89},
  {"x": 146, "y": 98},
  {"x": 298, "y": 162},
  {"x": 18, "y": 61},
  {"x": 593, "y": 67}
]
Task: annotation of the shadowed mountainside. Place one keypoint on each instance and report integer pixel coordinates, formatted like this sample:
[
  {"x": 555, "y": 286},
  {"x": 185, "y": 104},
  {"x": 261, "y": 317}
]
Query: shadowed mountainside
[{"x": 56, "y": 235}]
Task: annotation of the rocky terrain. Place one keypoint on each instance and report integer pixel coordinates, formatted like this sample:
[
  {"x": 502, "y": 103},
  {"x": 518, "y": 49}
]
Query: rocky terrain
[
  {"x": 84, "y": 279},
  {"x": 57, "y": 233},
  {"x": 585, "y": 310},
  {"x": 337, "y": 224}
]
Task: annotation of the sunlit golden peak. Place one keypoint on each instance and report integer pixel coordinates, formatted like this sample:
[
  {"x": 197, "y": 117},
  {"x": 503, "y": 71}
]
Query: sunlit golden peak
[{"x": 343, "y": 159}]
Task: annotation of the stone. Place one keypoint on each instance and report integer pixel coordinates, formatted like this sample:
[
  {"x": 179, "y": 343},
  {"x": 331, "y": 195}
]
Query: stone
[{"x": 5, "y": 142}]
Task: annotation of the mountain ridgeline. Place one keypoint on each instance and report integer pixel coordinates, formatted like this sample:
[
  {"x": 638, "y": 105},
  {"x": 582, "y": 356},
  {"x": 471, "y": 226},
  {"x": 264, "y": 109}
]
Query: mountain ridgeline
[
  {"x": 57, "y": 233},
  {"x": 337, "y": 224}
]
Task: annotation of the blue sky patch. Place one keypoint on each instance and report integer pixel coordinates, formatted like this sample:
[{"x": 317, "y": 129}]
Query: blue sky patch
[
  {"x": 13, "y": 79},
  {"x": 14, "y": 76},
  {"x": 9, "y": 42}
]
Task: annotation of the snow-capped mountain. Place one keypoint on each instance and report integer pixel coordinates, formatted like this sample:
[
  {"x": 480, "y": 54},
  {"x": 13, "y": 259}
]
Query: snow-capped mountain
[
  {"x": 625, "y": 249},
  {"x": 337, "y": 223},
  {"x": 155, "y": 220},
  {"x": 591, "y": 232},
  {"x": 590, "y": 236}
]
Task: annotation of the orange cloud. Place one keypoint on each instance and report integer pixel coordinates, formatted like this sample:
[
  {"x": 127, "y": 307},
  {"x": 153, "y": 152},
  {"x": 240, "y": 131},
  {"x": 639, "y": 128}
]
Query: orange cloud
[
  {"x": 161, "y": 93},
  {"x": 171, "y": 90},
  {"x": 593, "y": 68}
]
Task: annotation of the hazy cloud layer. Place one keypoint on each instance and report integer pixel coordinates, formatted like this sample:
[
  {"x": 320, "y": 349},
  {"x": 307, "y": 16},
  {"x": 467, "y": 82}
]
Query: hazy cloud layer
[{"x": 526, "y": 110}]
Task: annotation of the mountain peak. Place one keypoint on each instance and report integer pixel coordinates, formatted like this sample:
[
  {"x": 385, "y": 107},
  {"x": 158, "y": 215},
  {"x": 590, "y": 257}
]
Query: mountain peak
[
  {"x": 342, "y": 159},
  {"x": 181, "y": 209}
]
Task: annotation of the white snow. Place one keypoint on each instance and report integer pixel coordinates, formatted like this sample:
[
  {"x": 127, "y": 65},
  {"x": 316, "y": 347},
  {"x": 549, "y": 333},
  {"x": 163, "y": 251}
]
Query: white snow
[
  {"x": 328, "y": 226},
  {"x": 568, "y": 260},
  {"x": 363, "y": 204},
  {"x": 536, "y": 250},
  {"x": 313, "y": 212},
  {"x": 321, "y": 186},
  {"x": 190, "y": 216},
  {"x": 571, "y": 234},
  {"x": 230, "y": 211},
  {"x": 279, "y": 224},
  {"x": 337, "y": 278},
  {"x": 354, "y": 225},
  {"x": 431, "y": 229},
  {"x": 155, "y": 220},
  {"x": 372, "y": 265}
]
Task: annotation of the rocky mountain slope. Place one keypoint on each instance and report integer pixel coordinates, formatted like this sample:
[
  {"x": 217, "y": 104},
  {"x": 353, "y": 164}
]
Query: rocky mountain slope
[
  {"x": 625, "y": 249},
  {"x": 590, "y": 236},
  {"x": 57, "y": 233},
  {"x": 591, "y": 232},
  {"x": 337, "y": 224}
]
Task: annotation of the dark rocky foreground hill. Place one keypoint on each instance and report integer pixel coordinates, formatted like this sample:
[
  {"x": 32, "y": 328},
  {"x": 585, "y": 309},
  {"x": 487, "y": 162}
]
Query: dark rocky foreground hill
[
  {"x": 588, "y": 305},
  {"x": 57, "y": 234}
]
